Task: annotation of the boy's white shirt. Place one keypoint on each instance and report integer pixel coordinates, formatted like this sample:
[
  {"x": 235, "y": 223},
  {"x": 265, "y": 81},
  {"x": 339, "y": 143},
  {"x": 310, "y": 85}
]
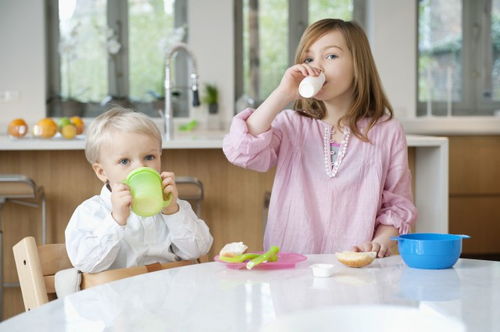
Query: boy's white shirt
[{"x": 96, "y": 242}]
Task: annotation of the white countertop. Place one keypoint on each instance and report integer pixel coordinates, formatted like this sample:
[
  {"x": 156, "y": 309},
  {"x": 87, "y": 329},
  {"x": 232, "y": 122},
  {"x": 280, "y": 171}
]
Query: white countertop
[
  {"x": 450, "y": 126},
  {"x": 194, "y": 140},
  {"x": 211, "y": 297}
]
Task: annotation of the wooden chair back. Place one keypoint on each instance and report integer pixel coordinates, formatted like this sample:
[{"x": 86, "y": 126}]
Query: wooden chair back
[
  {"x": 37, "y": 266},
  {"x": 191, "y": 190}
]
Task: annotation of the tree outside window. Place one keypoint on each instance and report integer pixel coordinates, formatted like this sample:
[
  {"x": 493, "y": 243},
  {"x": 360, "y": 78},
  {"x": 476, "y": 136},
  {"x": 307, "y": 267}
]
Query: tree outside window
[
  {"x": 266, "y": 33},
  {"x": 459, "y": 57},
  {"x": 113, "y": 51}
]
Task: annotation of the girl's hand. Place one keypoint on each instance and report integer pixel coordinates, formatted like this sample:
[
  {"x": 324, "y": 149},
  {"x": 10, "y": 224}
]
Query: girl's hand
[
  {"x": 121, "y": 199},
  {"x": 289, "y": 84},
  {"x": 169, "y": 188},
  {"x": 381, "y": 242},
  {"x": 381, "y": 249}
]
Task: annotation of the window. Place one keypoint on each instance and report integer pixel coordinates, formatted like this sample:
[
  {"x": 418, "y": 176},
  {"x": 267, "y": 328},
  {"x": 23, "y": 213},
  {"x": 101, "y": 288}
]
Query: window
[
  {"x": 113, "y": 51},
  {"x": 459, "y": 57},
  {"x": 267, "y": 34},
  {"x": 82, "y": 34},
  {"x": 265, "y": 54},
  {"x": 320, "y": 9}
]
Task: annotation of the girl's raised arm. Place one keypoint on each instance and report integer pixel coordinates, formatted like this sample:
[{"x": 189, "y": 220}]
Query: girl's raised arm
[{"x": 286, "y": 92}]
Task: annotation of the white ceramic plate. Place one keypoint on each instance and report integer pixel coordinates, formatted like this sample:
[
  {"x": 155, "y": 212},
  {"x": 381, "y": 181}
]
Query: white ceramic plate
[{"x": 376, "y": 318}]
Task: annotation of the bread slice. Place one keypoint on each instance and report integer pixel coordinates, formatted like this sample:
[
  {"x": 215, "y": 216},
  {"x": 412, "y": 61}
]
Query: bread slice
[
  {"x": 356, "y": 259},
  {"x": 233, "y": 249}
]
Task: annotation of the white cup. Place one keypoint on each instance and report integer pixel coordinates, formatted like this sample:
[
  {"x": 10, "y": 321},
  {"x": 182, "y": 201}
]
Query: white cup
[
  {"x": 322, "y": 270},
  {"x": 310, "y": 85}
]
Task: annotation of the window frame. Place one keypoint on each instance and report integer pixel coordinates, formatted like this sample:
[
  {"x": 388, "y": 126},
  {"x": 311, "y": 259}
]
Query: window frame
[{"x": 474, "y": 49}]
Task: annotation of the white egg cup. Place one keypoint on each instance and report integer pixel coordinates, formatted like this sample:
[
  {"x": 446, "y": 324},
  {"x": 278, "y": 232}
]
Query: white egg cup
[{"x": 322, "y": 270}]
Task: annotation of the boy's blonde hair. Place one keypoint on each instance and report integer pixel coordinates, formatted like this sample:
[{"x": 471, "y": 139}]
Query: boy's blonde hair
[
  {"x": 369, "y": 99},
  {"x": 119, "y": 119}
]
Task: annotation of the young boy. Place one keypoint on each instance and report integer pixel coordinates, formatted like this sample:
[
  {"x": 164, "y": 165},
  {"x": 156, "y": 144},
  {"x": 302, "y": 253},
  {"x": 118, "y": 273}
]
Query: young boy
[{"x": 103, "y": 233}]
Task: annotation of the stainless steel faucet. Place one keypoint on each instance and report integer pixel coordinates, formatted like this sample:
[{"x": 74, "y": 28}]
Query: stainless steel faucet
[{"x": 168, "y": 115}]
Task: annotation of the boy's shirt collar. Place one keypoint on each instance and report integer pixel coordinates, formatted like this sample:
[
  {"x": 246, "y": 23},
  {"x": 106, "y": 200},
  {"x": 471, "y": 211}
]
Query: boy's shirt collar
[{"x": 106, "y": 195}]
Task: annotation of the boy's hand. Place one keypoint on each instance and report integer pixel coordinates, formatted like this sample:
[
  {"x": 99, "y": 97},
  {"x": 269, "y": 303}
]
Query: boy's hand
[
  {"x": 169, "y": 187},
  {"x": 121, "y": 199}
]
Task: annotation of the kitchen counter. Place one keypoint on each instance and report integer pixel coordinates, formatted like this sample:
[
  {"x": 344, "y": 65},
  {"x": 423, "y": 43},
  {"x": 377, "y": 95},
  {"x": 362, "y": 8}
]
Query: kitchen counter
[
  {"x": 414, "y": 126},
  {"x": 194, "y": 140},
  {"x": 430, "y": 169},
  {"x": 452, "y": 126}
]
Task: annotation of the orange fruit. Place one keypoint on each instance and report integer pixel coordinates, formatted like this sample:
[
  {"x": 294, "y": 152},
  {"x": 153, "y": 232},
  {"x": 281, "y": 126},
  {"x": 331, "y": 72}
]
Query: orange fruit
[
  {"x": 45, "y": 128},
  {"x": 17, "y": 128},
  {"x": 78, "y": 123},
  {"x": 68, "y": 131}
]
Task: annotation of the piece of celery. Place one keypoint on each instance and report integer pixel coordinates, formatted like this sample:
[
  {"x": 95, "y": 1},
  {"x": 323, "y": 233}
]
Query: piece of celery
[
  {"x": 268, "y": 256},
  {"x": 239, "y": 258}
]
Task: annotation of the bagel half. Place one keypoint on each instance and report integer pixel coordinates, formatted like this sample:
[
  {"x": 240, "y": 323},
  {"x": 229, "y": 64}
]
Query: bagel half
[
  {"x": 233, "y": 249},
  {"x": 356, "y": 259}
]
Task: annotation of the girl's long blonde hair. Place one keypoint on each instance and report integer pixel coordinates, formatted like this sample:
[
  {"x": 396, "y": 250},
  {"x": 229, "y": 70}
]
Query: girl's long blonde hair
[{"x": 369, "y": 99}]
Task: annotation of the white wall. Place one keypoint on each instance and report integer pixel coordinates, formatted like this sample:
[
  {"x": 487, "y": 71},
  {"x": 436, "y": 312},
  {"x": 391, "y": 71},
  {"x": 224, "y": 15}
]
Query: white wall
[
  {"x": 22, "y": 60},
  {"x": 392, "y": 32},
  {"x": 211, "y": 38}
]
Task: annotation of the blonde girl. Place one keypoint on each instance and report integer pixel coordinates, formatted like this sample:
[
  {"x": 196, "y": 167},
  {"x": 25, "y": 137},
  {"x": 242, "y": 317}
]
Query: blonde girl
[{"x": 342, "y": 178}]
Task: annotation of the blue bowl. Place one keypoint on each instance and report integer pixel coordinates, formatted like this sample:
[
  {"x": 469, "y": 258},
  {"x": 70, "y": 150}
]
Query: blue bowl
[{"x": 430, "y": 250}]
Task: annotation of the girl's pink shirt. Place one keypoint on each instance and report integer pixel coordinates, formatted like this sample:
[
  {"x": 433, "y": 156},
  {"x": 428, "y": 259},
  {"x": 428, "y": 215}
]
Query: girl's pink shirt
[{"x": 310, "y": 212}]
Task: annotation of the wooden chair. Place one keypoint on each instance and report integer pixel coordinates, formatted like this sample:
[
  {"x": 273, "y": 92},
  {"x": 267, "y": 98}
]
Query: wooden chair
[
  {"x": 19, "y": 189},
  {"x": 36, "y": 267}
]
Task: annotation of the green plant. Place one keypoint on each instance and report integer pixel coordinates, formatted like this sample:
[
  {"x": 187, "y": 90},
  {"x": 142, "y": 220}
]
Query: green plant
[{"x": 210, "y": 94}]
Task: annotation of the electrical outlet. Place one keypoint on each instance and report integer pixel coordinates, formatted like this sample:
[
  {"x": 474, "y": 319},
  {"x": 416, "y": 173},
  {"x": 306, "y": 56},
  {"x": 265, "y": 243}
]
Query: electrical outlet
[{"x": 8, "y": 96}]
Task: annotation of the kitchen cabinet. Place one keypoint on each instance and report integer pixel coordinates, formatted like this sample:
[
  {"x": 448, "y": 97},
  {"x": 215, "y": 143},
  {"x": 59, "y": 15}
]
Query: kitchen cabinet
[{"x": 475, "y": 192}]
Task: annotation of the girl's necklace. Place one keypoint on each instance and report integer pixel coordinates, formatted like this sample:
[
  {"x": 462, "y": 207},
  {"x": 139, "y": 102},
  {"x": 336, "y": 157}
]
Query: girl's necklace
[{"x": 332, "y": 166}]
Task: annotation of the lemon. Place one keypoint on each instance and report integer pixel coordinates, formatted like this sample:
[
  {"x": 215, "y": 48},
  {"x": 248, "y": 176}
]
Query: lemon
[{"x": 68, "y": 131}]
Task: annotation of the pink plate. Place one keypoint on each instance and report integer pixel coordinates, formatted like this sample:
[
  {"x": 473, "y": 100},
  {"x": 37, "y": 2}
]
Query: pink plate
[{"x": 285, "y": 261}]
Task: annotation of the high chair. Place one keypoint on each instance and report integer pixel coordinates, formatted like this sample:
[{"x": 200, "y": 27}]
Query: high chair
[
  {"x": 191, "y": 190},
  {"x": 37, "y": 266}
]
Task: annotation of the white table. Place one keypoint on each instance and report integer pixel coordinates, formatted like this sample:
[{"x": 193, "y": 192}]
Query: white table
[{"x": 211, "y": 297}]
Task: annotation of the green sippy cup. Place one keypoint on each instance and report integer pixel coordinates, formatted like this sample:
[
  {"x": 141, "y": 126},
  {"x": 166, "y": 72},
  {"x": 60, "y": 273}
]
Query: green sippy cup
[{"x": 146, "y": 189}]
